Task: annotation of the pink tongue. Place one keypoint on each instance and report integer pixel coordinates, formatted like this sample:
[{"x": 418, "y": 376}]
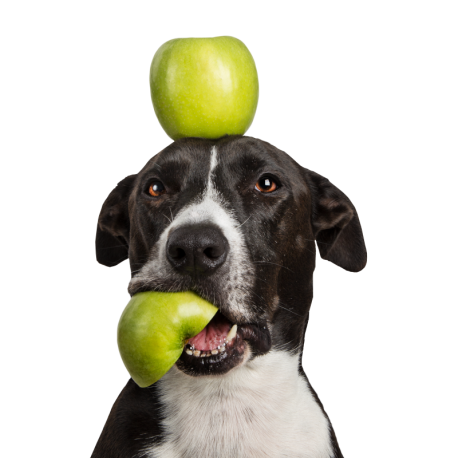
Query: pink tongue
[{"x": 212, "y": 335}]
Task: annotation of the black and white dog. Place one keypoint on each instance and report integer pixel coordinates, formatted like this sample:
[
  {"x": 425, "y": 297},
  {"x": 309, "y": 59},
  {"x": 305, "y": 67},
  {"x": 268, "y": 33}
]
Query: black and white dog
[{"x": 236, "y": 221}]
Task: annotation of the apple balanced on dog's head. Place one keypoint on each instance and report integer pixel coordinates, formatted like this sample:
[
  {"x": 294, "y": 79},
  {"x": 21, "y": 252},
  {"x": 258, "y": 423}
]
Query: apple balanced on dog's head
[
  {"x": 154, "y": 329},
  {"x": 204, "y": 87}
]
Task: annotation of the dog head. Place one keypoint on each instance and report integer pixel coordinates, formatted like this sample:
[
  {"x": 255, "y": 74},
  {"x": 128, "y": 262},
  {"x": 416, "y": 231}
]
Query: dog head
[{"x": 236, "y": 221}]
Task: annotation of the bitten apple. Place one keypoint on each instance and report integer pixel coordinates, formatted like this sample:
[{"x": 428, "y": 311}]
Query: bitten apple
[
  {"x": 204, "y": 87},
  {"x": 154, "y": 328}
]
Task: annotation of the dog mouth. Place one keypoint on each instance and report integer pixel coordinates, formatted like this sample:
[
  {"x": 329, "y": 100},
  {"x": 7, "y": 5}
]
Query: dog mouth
[
  {"x": 213, "y": 338},
  {"x": 223, "y": 345}
]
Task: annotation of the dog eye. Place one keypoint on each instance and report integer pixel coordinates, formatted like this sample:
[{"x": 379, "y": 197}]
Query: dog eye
[
  {"x": 266, "y": 184},
  {"x": 156, "y": 189}
]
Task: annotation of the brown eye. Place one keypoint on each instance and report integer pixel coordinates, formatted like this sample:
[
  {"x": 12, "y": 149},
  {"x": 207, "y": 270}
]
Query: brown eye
[
  {"x": 156, "y": 189},
  {"x": 266, "y": 184}
]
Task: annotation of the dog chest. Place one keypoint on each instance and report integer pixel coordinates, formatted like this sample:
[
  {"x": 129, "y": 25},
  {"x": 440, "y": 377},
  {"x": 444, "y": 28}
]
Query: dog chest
[{"x": 262, "y": 409}]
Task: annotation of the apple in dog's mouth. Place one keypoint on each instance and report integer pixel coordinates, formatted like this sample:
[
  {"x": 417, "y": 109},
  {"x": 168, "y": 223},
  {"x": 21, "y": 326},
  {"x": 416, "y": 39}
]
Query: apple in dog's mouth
[
  {"x": 222, "y": 345},
  {"x": 153, "y": 329}
]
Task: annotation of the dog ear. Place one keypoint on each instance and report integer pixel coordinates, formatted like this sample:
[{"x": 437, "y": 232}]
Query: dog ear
[
  {"x": 336, "y": 225},
  {"x": 112, "y": 239}
]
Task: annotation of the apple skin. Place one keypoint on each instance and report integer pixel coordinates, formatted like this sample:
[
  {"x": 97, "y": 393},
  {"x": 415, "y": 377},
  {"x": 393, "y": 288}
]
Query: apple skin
[
  {"x": 154, "y": 328},
  {"x": 204, "y": 87}
]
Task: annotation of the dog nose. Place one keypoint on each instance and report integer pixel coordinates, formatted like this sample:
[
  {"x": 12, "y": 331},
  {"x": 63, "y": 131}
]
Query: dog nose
[{"x": 197, "y": 249}]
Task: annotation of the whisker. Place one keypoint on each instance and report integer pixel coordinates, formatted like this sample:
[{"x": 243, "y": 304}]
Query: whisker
[
  {"x": 244, "y": 222},
  {"x": 267, "y": 262},
  {"x": 290, "y": 311},
  {"x": 167, "y": 218},
  {"x": 250, "y": 291},
  {"x": 135, "y": 271},
  {"x": 278, "y": 305},
  {"x": 260, "y": 297},
  {"x": 310, "y": 251},
  {"x": 260, "y": 279}
]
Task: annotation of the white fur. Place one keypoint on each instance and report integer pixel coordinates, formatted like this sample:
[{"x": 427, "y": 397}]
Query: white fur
[{"x": 263, "y": 408}]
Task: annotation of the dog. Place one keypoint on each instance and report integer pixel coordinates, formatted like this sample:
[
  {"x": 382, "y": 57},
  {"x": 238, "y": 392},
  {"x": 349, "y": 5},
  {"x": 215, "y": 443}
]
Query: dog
[{"x": 236, "y": 221}]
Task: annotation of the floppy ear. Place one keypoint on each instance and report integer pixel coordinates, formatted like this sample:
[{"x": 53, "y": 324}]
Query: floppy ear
[
  {"x": 112, "y": 239},
  {"x": 336, "y": 225}
]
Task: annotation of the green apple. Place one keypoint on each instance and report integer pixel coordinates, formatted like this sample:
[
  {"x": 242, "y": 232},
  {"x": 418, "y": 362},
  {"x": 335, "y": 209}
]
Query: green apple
[
  {"x": 154, "y": 328},
  {"x": 204, "y": 87}
]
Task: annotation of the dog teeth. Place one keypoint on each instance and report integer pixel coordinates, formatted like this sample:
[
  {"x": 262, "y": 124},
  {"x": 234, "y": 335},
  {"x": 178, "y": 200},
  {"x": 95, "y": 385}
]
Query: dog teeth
[
  {"x": 204, "y": 353},
  {"x": 231, "y": 334},
  {"x": 220, "y": 349}
]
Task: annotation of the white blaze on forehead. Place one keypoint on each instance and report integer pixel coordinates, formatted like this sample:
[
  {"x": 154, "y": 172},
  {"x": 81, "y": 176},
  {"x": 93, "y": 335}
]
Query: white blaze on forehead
[
  {"x": 213, "y": 160},
  {"x": 203, "y": 209},
  {"x": 210, "y": 191},
  {"x": 208, "y": 206}
]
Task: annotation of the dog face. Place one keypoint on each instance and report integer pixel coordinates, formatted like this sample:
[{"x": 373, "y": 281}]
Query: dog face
[{"x": 236, "y": 221}]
